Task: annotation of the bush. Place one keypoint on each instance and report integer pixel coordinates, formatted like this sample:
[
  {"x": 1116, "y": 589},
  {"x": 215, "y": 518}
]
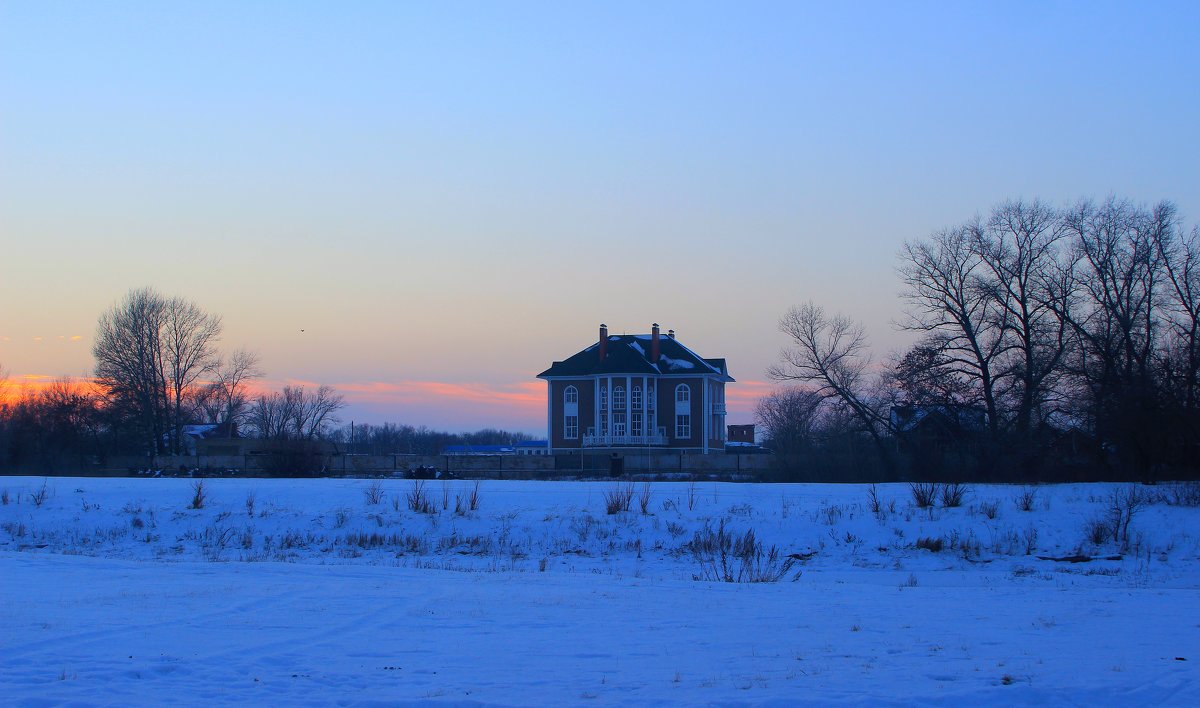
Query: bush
[
  {"x": 40, "y": 496},
  {"x": 418, "y": 498},
  {"x": 1183, "y": 494},
  {"x": 1026, "y": 499},
  {"x": 374, "y": 493},
  {"x": 990, "y": 509},
  {"x": 644, "y": 498},
  {"x": 1097, "y": 531},
  {"x": 924, "y": 494},
  {"x": 952, "y": 494},
  {"x": 727, "y": 557},
  {"x": 619, "y": 498},
  {"x": 933, "y": 545},
  {"x": 199, "y": 495}
]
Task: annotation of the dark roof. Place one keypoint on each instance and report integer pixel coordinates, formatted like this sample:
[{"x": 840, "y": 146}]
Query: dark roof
[{"x": 630, "y": 354}]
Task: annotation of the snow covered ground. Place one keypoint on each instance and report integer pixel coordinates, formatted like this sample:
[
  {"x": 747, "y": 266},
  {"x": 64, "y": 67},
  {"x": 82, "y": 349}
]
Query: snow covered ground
[{"x": 118, "y": 591}]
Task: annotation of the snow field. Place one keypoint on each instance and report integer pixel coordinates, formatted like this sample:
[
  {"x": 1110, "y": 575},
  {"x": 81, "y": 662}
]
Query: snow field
[{"x": 317, "y": 591}]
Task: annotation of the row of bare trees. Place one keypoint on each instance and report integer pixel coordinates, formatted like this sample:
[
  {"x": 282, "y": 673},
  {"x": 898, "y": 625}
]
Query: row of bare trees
[{"x": 1044, "y": 320}]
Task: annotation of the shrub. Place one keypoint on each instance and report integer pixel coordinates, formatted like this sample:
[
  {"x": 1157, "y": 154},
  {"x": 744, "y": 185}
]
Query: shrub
[
  {"x": 250, "y": 504},
  {"x": 418, "y": 498},
  {"x": 727, "y": 557},
  {"x": 199, "y": 495},
  {"x": 618, "y": 499},
  {"x": 4, "y": 497},
  {"x": 933, "y": 545},
  {"x": 924, "y": 494},
  {"x": 990, "y": 509},
  {"x": 1026, "y": 499},
  {"x": 1097, "y": 531},
  {"x": 1178, "y": 494},
  {"x": 473, "y": 497},
  {"x": 40, "y": 496},
  {"x": 873, "y": 500},
  {"x": 374, "y": 493},
  {"x": 1031, "y": 535},
  {"x": 644, "y": 498},
  {"x": 1123, "y": 504},
  {"x": 952, "y": 494}
]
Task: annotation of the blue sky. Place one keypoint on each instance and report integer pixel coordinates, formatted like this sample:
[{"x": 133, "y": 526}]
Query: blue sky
[{"x": 448, "y": 196}]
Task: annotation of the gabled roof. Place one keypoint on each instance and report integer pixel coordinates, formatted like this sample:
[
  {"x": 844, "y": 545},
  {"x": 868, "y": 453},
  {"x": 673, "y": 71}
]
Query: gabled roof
[{"x": 630, "y": 354}]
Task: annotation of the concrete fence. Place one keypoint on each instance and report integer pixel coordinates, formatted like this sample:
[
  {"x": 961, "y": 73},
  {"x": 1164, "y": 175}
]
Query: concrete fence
[{"x": 587, "y": 464}]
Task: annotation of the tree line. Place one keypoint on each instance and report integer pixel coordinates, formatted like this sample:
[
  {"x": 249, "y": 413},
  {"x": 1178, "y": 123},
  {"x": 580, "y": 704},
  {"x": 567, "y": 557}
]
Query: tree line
[
  {"x": 1048, "y": 338},
  {"x": 157, "y": 371}
]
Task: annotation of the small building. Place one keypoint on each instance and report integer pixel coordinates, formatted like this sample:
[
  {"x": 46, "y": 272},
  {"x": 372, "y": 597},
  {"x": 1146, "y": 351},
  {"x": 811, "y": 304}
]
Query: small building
[
  {"x": 636, "y": 391},
  {"x": 741, "y": 433},
  {"x": 478, "y": 450},
  {"x": 533, "y": 447}
]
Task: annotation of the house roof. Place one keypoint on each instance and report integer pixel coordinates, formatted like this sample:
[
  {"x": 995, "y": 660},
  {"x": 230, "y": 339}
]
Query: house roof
[{"x": 630, "y": 354}]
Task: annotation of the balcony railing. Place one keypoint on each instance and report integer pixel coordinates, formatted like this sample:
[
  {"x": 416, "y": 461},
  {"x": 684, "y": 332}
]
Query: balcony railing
[
  {"x": 659, "y": 438},
  {"x": 718, "y": 409}
]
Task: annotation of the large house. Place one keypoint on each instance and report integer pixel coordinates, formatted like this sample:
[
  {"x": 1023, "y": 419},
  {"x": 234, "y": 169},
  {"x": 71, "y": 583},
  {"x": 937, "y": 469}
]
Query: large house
[{"x": 636, "y": 391}]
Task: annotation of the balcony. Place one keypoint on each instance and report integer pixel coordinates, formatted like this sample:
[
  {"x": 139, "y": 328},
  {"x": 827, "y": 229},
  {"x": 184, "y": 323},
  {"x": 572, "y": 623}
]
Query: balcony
[
  {"x": 659, "y": 438},
  {"x": 718, "y": 409}
]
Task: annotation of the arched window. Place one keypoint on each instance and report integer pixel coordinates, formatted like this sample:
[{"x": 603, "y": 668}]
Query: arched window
[
  {"x": 683, "y": 393},
  {"x": 636, "y": 398},
  {"x": 619, "y": 398},
  {"x": 603, "y": 398},
  {"x": 571, "y": 395}
]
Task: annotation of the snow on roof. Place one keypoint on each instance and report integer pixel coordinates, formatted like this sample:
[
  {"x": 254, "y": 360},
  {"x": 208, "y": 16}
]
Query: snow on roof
[
  {"x": 638, "y": 348},
  {"x": 675, "y": 364}
]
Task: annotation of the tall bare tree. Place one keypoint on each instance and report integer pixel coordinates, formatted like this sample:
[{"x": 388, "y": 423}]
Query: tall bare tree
[
  {"x": 1018, "y": 248},
  {"x": 951, "y": 302},
  {"x": 149, "y": 351}
]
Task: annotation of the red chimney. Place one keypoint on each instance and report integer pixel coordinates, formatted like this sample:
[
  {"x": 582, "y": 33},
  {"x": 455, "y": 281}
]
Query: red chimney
[
  {"x": 603, "y": 341},
  {"x": 654, "y": 350}
]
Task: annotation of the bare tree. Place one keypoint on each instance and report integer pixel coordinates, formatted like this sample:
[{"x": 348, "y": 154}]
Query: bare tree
[
  {"x": 1180, "y": 256},
  {"x": 1018, "y": 249},
  {"x": 129, "y": 365},
  {"x": 952, "y": 303},
  {"x": 1119, "y": 319},
  {"x": 150, "y": 351},
  {"x": 233, "y": 376},
  {"x": 830, "y": 353},
  {"x": 789, "y": 418},
  {"x": 188, "y": 341},
  {"x": 295, "y": 413}
]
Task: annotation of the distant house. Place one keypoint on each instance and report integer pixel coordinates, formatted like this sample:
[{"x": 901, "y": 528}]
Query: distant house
[{"x": 636, "y": 391}]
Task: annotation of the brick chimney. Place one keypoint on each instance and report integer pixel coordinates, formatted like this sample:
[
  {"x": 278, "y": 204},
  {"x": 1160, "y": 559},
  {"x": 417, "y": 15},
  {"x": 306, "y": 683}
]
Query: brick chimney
[
  {"x": 603, "y": 341},
  {"x": 654, "y": 347}
]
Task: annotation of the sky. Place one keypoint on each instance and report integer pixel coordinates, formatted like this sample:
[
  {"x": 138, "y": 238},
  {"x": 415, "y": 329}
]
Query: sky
[{"x": 425, "y": 204}]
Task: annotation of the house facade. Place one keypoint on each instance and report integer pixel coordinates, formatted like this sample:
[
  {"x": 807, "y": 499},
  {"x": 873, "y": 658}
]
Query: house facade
[{"x": 636, "y": 391}]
